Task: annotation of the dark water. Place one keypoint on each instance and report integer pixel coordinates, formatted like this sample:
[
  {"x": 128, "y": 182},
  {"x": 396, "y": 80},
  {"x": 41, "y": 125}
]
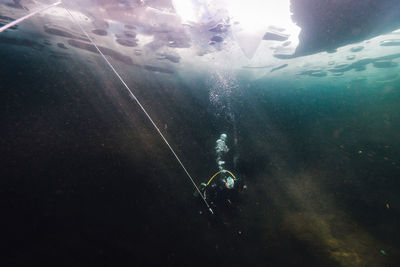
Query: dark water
[{"x": 86, "y": 180}]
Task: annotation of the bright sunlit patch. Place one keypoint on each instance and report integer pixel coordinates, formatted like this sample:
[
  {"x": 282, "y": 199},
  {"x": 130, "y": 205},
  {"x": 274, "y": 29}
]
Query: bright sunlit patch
[
  {"x": 255, "y": 15},
  {"x": 250, "y": 19},
  {"x": 189, "y": 10}
]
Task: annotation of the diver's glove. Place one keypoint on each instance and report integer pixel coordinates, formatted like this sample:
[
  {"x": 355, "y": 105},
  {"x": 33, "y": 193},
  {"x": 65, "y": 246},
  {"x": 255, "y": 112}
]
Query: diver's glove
[{"x": 202, "y": 188}]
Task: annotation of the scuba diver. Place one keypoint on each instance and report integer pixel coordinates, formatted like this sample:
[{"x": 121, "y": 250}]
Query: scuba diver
[{"x": 223, "y": 188}]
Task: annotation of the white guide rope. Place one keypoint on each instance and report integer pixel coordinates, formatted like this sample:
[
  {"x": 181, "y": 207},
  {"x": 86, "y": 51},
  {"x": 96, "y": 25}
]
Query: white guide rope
[
  {"x": 12, "y": 23},
  {"x": 122, "y": 81},
  {"x": 143, "y": 109}
]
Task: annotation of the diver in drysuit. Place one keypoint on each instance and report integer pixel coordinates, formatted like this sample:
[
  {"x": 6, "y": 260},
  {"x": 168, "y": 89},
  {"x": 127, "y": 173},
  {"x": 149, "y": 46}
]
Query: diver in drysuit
[{"x": 223, "y": 189}]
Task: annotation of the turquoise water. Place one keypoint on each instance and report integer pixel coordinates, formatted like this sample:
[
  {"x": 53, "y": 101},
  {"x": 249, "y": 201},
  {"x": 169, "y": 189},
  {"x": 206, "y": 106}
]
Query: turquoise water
[{"x": 86, "y": 179}]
